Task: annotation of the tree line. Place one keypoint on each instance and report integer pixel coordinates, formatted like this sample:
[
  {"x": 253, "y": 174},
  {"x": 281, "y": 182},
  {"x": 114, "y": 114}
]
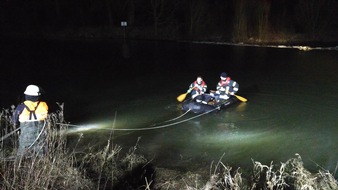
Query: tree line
[{"x": 235, "y": 20}]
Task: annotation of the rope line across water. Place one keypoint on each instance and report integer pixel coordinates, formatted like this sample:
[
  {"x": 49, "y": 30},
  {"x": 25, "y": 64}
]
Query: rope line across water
[
  {"x": 156, "y": 127},
  {"x": 173, "y": 118},
  {"x": 167, "y": 125}
]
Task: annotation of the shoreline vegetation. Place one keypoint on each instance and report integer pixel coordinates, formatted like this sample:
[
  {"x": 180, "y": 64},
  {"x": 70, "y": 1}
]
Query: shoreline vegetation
[
  {"x": 105, "y": 33},
  {"x": 302, "y": 42},
  {"x": 62, "y": 167},
  {"x": 299, "y": 22}
]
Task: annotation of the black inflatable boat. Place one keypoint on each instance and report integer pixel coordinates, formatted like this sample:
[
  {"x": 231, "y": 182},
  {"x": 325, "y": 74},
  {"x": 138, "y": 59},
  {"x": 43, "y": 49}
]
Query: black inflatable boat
[{"x": 197, "y": 107}]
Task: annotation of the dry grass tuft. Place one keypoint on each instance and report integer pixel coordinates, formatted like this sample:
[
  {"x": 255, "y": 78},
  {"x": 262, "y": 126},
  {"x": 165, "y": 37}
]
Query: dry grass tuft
[
  {"x": 53, "y": 170},
  {"x": 289, "y": 175}
]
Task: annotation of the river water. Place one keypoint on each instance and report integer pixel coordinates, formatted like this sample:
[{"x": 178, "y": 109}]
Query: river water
[{"x": 292, "y": 98}]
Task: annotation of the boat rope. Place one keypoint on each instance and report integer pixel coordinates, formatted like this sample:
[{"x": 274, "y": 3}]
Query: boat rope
[
  {"x": 9, "y": 134},
  {"x": 167, "y": 125},
  {"x": 67, "y": 124},
  {"x": 156, "y": 127},
  {"x": 173, "y": 118}
]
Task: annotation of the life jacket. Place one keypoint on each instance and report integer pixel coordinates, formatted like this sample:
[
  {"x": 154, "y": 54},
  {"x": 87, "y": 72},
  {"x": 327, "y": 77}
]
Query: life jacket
[
  {"x": 33, "y": 111},
  {"x": 225, "y": 82},
  {"x": 202, "y": 85}
]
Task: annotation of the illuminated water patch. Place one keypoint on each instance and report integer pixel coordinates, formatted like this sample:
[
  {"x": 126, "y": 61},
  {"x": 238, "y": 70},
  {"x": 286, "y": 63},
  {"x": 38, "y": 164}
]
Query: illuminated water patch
[{"x": 95, "y": 126}]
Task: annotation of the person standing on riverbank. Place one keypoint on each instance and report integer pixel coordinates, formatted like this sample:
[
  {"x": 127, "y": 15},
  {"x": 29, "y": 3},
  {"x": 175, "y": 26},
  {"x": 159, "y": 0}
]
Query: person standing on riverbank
[{"x": 30, "y": 116}]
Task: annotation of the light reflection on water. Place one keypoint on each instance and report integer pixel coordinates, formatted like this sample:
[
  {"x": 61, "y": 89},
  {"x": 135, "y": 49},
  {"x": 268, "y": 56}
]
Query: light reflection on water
[
  {"x": 292, "y": 95},
  {"x": 270, "y": 127}
]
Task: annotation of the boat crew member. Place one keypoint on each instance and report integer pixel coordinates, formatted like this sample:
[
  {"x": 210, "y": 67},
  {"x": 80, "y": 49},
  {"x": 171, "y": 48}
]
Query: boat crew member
[
  {"x": 225, "y": 88},
  {"x": 197, "y": 90},
  {"x": 30, "y": 116}
]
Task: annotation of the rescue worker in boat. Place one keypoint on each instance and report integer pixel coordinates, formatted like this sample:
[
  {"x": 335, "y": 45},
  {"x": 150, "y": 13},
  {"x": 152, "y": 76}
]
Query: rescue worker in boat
[
  {"x": 30, "y": 116},
  {"x": 225, "y": 88},
  {"x": 197, "y": 90}
]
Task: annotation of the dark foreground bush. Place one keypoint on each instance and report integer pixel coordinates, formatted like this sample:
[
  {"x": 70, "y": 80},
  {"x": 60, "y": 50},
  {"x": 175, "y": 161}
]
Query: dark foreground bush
[{"x": 61, "y": 168}]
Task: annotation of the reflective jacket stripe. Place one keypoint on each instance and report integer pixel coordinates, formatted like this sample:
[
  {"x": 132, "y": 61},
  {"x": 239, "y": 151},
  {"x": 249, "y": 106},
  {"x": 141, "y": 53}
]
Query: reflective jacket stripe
[{"x": 202, "y": 85}]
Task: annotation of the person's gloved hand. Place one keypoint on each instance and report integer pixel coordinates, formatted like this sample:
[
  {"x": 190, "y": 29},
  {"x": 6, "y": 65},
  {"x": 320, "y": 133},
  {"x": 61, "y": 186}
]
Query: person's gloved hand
[{"x": 189, "y": 90}]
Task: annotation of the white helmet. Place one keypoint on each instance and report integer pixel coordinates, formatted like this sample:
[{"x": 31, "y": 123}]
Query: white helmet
[{"x": 32, "y": 90}]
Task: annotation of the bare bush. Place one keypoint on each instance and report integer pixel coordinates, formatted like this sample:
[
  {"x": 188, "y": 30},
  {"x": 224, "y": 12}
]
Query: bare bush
[{"x": 54, "y": 169}]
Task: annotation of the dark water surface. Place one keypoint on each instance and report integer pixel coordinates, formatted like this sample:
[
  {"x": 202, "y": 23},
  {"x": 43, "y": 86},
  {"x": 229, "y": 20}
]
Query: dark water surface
[{"x": 292, "y": 95}]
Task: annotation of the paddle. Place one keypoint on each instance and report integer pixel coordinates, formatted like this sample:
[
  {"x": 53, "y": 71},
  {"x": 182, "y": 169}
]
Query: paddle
[
  {"x": 241, "y": 98},
  {"x": 238, "y": 97},
  {"x": 181, "y": 97}
]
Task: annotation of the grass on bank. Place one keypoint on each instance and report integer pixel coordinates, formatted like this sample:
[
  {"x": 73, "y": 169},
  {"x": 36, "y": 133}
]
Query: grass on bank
[{"x": 62, "y": 168}]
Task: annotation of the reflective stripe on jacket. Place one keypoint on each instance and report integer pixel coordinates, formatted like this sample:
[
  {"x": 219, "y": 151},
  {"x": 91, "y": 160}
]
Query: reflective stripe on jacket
[
  {"x": 227, "y": 86},
  {"x": 33, "y": 111},
  {"x": 203, "y": 86},
  {"x": 223, "y": 83}
]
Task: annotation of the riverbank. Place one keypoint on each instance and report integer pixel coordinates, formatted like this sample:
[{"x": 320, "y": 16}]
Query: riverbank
[
  {"x": 106, "y": 33},
  {"x": 63, "y": 167}
]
